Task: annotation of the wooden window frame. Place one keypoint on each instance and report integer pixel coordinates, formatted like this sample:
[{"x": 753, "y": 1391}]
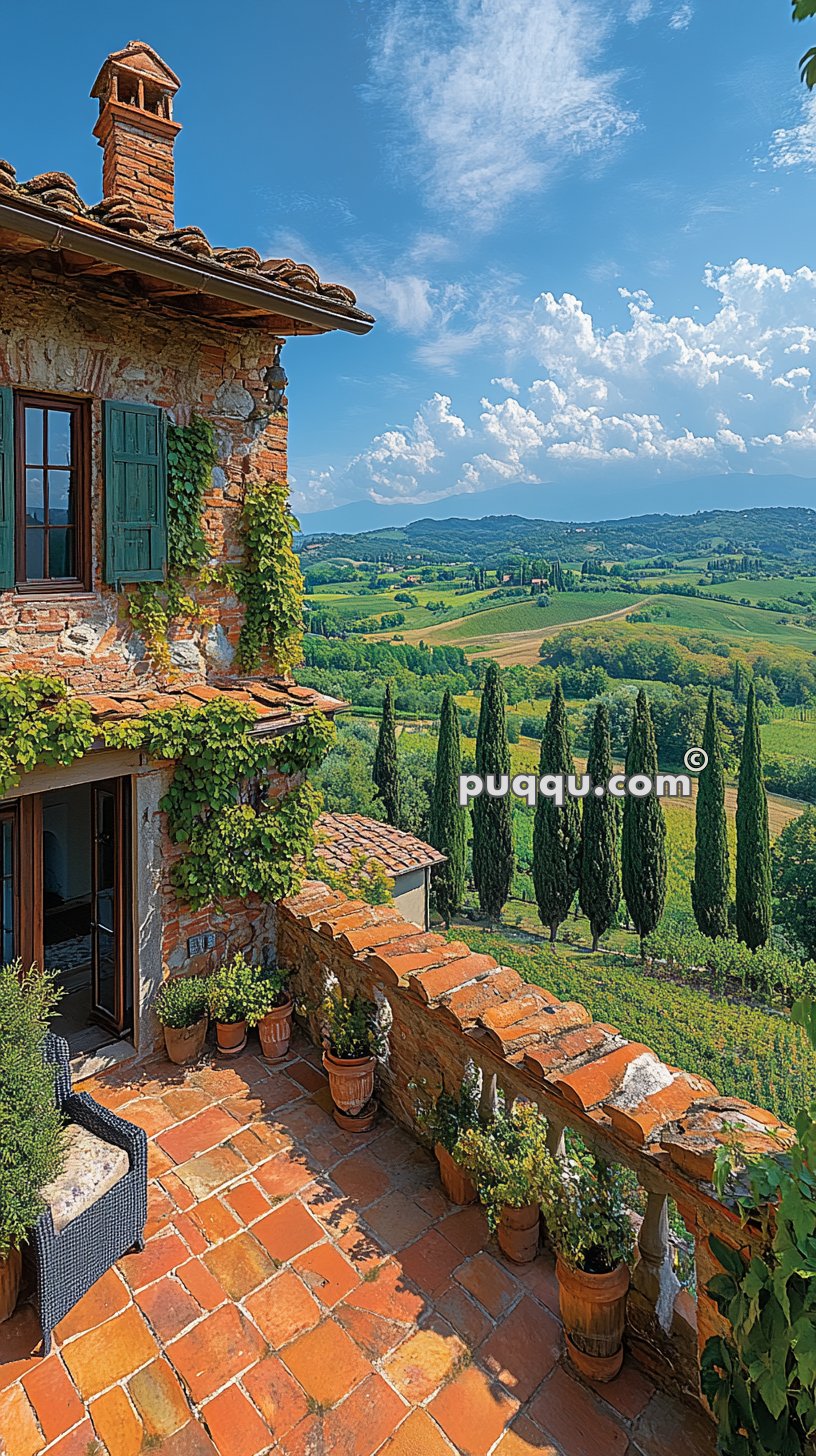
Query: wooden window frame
[
  {"x": 80, "y": 409},
  {"x": 9, "y": 812}
]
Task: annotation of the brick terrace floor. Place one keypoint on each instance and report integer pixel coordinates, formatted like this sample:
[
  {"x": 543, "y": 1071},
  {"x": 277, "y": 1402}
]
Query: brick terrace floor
[{"x": 305, "y": 1291}]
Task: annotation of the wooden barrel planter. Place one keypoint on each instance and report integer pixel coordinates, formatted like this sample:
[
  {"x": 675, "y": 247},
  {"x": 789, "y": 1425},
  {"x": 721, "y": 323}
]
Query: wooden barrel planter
[
  {"x": 458, "y": 1186},
  {"x": 185, "y": 1043},
  {"x": 351, "y": 1083},
  {"x": 593, "y": 1311},
  {"x": 518, "y": 1232},
  {"x": 275, "y": 1032},
  {"x": 10, "y": 1270}
]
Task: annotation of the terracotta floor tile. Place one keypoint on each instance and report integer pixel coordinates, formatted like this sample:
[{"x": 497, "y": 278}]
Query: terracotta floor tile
[
  {"x": 397, "y": 1219},
  {"x": 525, "y": 1439},
  {"x": 424, "y": 1361},
  {"x": 387, "y": 1293},
  {"x": 20, "y": 1434},
  {"x": 150, "y": 1114},
  {"x": 168, "y": 1307},
  {"x": 205, "y": 1290},
  {"x": 284, "y": 1175},
  {"x": 304, "y": 1439},
  {"x": 158, "y": 1163},
  {"x": 327, "y": 1273},
  {"x": 256, "y": 1144},
  {"x": 191, "y": 1233},
  {"x": 463, "y": 1314},
  {"x": 538, "y": 1278},
  {"x": 334, "y": 1211},
  {"x": 20, "y": 1339},
  {"x": 107, "y": 1297},
  {"x": 432, "y": 1199},
  {"x": 362, "y": 1178},
  {"x": 376, "y": 1335},
  {"x": 185, "y": 1101},
  {"x": 363, "y": 1249},
  {"x": 160, "y": 1210},
  {"x": 466, "y": 1229},
  {"x": 116, "y": 1423},
  {"x": 77, "y": 1442},
  {"x": 287, "y": 1230},
  {"x": 523, "y": 1348},
  {"x": 629, "y": 1393},
  {"x": 247, "y": 1202},
  {"x": 473, "y": 1411},
  {"x": 53, "y": 1397},
  {"x": 208, "y": 1172},
  {"x": 160, "y": 1400},
  {"x": 214, "y": 1219},
  {"x": 326, "y": 1362},
  {"x": 275, "y": 1091},
  {"x": 198, "y": 1134},
  {"x": 240, "y": 1265},
  {"x": 179, "y": 1192},
  {"x": 283, "y": 1309},
  {"x": 234, "y": 1424},
  {"x": 105, "y": 1355},
  {"x": 571, "y": 1415},
  {"x": 191, "y": 1440},
  {"x": 277, "y": 1395},
  {"x": 489, "y": 1282},
  {"x": 418, "y": 1436},
  {"x": 159, "y": 1256},
  {"x": 668, "y": 1427},
  {"x": 214, "y": 1351},
  {"x": 306, "y": 1076},
  {"x": 218, "y": 1081},
  {"x": 430, "y": 1262},
  {"x": 361, "y": 1424}
]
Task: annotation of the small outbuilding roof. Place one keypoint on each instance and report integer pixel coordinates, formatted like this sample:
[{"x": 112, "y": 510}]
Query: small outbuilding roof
[{"x": 347, "y": 836}]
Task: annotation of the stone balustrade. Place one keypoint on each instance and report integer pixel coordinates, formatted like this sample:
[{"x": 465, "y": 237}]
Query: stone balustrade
[{"x": 447, "y": 1005}]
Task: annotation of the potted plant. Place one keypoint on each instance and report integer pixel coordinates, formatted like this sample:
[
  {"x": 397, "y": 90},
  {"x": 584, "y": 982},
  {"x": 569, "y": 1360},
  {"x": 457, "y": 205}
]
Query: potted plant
[
  {"x": 30, "y": 1125},
  {"x": 231, "y": 996},
  {"x": 182, "y": 1008},
  {"x": 591, "y": 1232},
  {"x": 269, "y": 1007},
  {"x": 507, "y": 1159},
  {"x": 352, "y": 1038},
  {"x": 445, "y": 1121}
]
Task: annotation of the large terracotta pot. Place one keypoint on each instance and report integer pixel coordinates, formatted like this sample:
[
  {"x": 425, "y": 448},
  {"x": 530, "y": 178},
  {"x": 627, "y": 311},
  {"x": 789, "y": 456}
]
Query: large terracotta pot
[
  {"x": 518, "y": 1232},
  {"x": 185, "y": 1043},
  {"x": 231, "y": 1037},
  {"x": 455, "y": 1181},
  {"x": 593, "y": 1311},
  {"x": 275, "y": 1031},
  {"x": 351, "y": 1081},
  {"x": 10, "y": 1270}
]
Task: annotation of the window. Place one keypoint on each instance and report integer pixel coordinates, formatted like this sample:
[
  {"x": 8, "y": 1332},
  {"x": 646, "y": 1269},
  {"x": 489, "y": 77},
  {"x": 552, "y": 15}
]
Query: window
[{"x": 52, "y": 538}]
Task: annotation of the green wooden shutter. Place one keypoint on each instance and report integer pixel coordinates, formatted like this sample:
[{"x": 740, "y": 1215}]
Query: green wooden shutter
[
  {"x": 6, "y": 489},
  {"x": 135, "y": 492}
]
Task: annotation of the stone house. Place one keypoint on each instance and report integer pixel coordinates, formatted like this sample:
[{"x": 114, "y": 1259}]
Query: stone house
[{"x": 117, "y": 328}]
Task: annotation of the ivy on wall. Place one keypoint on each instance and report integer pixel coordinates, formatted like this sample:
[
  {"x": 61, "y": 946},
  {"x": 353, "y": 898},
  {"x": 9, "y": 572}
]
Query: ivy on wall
[
  {"x": 39, "y": 724},
  {"x": 269, "y": 583}
]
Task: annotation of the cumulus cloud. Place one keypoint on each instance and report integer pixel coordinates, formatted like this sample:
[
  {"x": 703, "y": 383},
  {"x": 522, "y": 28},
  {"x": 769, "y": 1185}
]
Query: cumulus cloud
[{"x": 493, "y": 97}]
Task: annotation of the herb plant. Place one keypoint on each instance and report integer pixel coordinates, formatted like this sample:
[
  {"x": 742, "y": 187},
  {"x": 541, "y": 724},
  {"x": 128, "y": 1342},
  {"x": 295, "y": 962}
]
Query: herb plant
[
  {"x": 30, "y": 1125},
  {"x": 507, "y": 1159},
  {"x": 232, "y": 990},
  {"x": 452, "y": 1115},
  {"x": 351, "y": 1026},
  {"x": 268, "y": 990},
  {"x": 182, "y": 1001},
  {"x": 587, "y": 1218}
]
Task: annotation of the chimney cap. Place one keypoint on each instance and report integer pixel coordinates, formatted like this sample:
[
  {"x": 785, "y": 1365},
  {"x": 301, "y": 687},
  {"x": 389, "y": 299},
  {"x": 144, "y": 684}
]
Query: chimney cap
[{"x": 140, "y": 59}]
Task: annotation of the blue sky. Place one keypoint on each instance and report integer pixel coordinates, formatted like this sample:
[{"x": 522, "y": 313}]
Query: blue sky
[{"x": 588, "y": 240}]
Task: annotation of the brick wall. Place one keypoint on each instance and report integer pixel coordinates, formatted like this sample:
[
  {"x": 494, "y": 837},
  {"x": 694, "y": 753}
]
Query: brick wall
[{"x": 60, "y": 337}]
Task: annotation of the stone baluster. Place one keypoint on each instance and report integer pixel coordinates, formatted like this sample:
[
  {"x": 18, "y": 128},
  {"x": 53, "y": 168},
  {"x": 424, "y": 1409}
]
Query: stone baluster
[{"x": 654, "y": 1275}]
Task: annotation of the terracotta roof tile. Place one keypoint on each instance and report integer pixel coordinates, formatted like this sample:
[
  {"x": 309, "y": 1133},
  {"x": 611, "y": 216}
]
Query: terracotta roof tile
[
  {"x": 292, "y": 702},
  {"x": 543, "y": 1024},
  {"x": 570, "y": 1049},
  {"x": 643, "y": 1122},
  {"x": 598, "y": 1080},
  {"x": 464, "y": 1005},
  {"x": 348, "y": 836}
]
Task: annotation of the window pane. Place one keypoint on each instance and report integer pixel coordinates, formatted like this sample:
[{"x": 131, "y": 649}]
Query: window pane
[
  {"x": 60, "y": 498},
  {"x": 35, "y": 568},
  {"x": 59, "y": 437},
  {"x": 35, "y": 505},
  {"x": 61, "y": 553},
  {"x": 34, "y": 436},
  {"x": 7, "y": 899}
]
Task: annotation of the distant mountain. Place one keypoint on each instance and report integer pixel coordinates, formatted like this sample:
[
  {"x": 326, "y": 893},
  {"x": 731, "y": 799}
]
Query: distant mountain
[
  {"x": 785, "y": 532},
  {"x": 579, "y": 501}
]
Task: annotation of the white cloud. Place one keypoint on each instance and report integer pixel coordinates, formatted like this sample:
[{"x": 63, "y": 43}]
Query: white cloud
[
  {"x": 795, "y": 146},
  {"x": 681, "y": 18},
  {"x": 638, "y": 10},
  {"x": 494, "y": 96},
  {"x": 508, "y": 385}
]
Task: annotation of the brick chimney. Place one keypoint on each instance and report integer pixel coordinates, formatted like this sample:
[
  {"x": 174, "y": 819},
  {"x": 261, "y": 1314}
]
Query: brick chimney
[{"x": 136, "y": 130}]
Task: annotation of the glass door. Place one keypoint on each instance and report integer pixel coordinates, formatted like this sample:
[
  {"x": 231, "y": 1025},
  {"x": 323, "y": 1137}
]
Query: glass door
[
  {"x": 111, "y": 1001},
  {"x": 8, "y": 885}
]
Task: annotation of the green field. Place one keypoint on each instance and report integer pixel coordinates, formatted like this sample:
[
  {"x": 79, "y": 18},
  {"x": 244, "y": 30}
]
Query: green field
[
  {"x": 564, "y": 607},
  {"x": 770, "y": 589},
  {"x": 790, "y": 738},
  {"x": 735, "y": 625}
]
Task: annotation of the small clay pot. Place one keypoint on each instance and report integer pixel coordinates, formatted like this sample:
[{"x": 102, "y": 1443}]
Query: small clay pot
[
  {"x": 518, "y": 1232},
  {"x": 459, "y": 1188},
  {"x": 593, "y": 1311},
  {"x": 275, "y": 1032},
  {"x": 231, "y": 1037},
  {"x": 185, "y": 1043},
  {"x": 10, "y": 1270},
  {"x": 351, "y": 1081},
  {"x": 361, "y": 1123}
]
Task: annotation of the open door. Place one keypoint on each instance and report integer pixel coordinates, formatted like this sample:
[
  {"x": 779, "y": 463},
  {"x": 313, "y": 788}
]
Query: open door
[{"x": 111, "y": 991}]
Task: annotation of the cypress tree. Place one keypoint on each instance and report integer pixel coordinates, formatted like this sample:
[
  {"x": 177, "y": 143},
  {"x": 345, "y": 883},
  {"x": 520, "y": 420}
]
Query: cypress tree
[
  {"x": 753, "y": 899},
  {"x": 447, "y": 831},
  {"x": 599, "y": 882},
  {"x": 556, "y": 830},
  {"x": 643, "y": 843},
  {"x": 711, "y": 886},
  {"x": 493, "y": 858},
  {"x": 385, "y": 774}
]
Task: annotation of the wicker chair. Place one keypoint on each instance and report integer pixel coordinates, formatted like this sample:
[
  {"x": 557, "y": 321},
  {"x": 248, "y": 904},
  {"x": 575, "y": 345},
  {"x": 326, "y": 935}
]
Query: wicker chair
[{"x": 69, "y": 1259}]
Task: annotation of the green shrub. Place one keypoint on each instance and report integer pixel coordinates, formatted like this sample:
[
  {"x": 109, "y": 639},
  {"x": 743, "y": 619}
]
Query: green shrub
[
  {"x": 351, "y": 1027},
  {"x": 30, "y": 1125},
  {"x": 268, "y": 990},
  {"x": 450, "y": 1116},
  {"x": 507, "y": 1159},
  {"x": 232, "y": 990},
  {"x": 588, "y": 1222},
  {"x": 765, "y": 972},
  {"x": 182, "y": 1001}
]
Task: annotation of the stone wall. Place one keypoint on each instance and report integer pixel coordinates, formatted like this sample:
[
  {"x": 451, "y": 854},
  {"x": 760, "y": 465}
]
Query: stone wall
[
  {"x": 447, "y": 1005},
  {"x": 63, "y": 337}
]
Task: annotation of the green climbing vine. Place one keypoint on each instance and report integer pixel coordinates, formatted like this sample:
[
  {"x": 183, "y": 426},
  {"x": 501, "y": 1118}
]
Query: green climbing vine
[
  {"x": 39, "y": 723},
  {"x": 269, "y": 583}
]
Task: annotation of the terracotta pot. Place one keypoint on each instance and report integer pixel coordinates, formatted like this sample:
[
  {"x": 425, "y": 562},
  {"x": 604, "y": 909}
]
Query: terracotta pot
[
  {"x": 10, "y": 1270},
  {"x": 593, "y": 1311},
  {"x": 458, "y": 1187},
  {"x": 361, "y": 1123},
  {"x": 231, "y": 1037},
  {"x": 518, "y": 1232},
  {"x": 185, "y": 1043},
  {"x": 275, "y": 1031},
  {"x": 351, "y": 1081}
]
